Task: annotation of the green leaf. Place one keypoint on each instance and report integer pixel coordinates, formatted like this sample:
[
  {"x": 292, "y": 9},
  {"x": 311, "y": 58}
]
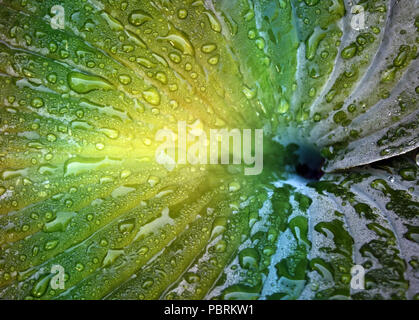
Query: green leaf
[
  {"x": 81, "y": 190},
  {"x": 356, "y": 97},
  {"x": 310, "y": 236}
]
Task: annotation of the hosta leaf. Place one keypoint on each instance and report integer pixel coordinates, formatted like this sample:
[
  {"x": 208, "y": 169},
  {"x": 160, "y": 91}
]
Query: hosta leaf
[
  {"x": 81, "y": 188},
  {"x": 351, "y": 93},
  {"x": 357, "y": 99},
  {"x": 310, "y": 236}
]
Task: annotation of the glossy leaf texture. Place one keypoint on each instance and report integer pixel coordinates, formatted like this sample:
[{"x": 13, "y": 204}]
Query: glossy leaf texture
[
  {"x": 80, "y": 186},
  {"x": 349, "y": 89},
  {"x": 310, "y": 236}
]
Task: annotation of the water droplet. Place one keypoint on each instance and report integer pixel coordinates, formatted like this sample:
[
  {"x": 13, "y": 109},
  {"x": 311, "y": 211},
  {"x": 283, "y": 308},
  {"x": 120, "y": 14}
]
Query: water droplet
[
  {"x": 249, "y": 92},
  {"x": 110, "y": 133},
  {"x": 145, "y": 62},
  {"x": 60, "y": 222},
  {"x": 249, "y": 15},
  {"x": 37, "y": 102},
  {"x": 113, "y": 23},
  {"x": 111, "y": 256},
  {"x": 389, "y": 75},
  {"x": 215, "y": 25},
  {"x": 126, "y": 226},
  {"x": 234, "y": 186},
  {"x": 79, "y": 267},
  {"x": 349, "y": 51},
  {"x": 83, "y": 83},
  {"x": 182, "y": 13},
  {"x": 249, "y": 258},
  {"x": 51, "y": 137},
  {"x": 260, "y": 43},
  {"x": 208, "y": 48},
  {"x": 100, "y": 146},
  {"x": 52, "y": 78},
  {"x": 138, "y": 18},
  {"x": 143, "y": 250},
  {"x": 51, "y": 244},
  {"x": 313, "y": 42},
  {"x": 191, "y": 277},
  {"x": 161, "y": 76},
  {"x": 251, "y": 34},
  {"x": 35, "y": 251},
  {"x": 121, "y": 191},
  {"x": 179, "y": 41},
  {"x": 218, "y": 227},
  {"x": 330, "y": 95},
  {"x": 408, "y": 174},
  {"x": 221, "y": 246},
  {"x": 153, "y": 180},
  {"x": 147, "y": 284},
  {"x": 175, "y": 57},
  {"x": 79, "y": 165},
  {"x": 41, "y": 286},
  {"x": 214, "y": 60},
  {"x": 311, "y": 3},
  {"x": 152, "y": 96},
  {"x": 283, "y": 106},
  {"x": 124, "y": 79},
  {"x": 400, "y": 59}
]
